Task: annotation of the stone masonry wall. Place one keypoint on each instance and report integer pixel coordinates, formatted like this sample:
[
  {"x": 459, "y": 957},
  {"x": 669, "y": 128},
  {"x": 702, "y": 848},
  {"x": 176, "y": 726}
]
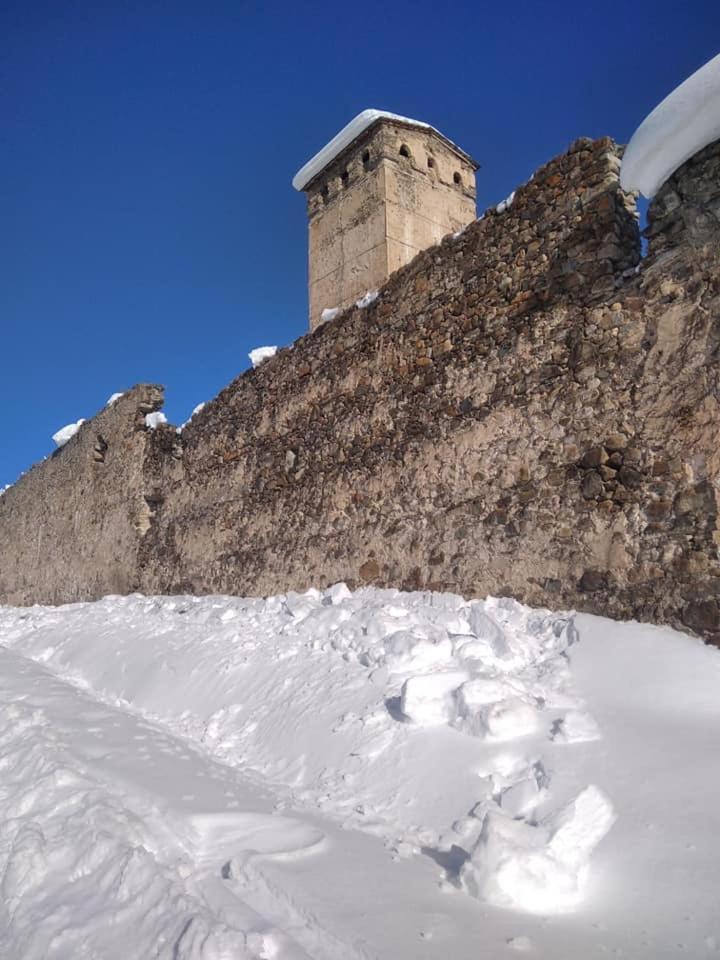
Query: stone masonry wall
[
  {"x": 70, "y": 528},
  {"x": 524, "y": 410}
]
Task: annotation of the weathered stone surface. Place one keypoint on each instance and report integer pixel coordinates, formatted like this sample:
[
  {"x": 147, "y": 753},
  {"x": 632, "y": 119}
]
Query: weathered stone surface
[
  {"x": 71, "y": 528},
  {"x": 463, "y": 474}
]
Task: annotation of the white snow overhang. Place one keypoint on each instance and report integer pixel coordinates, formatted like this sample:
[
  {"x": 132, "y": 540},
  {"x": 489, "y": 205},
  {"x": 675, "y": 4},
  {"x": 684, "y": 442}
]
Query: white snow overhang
[
  {"x": 362, "y": 122},
  {"x": 687, "y": 120}
]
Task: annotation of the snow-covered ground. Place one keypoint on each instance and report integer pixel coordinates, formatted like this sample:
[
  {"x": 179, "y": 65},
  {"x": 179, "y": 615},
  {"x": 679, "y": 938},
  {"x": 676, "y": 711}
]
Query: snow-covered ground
[{"x": 369, "y": 775}]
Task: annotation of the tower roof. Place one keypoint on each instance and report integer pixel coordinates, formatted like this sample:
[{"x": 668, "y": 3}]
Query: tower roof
[{"x": 349, "y": 133}]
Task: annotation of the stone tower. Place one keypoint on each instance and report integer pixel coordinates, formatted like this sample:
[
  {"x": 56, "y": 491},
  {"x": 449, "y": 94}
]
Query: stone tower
[{"x": 378, "y": 193}]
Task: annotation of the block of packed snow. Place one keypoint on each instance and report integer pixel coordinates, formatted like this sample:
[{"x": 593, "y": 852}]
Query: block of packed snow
[
  {"x": 261, "y": 354},
  {"x": 687, "y": 120},
  {"x": 329, "y": 313},
  {"x": 511, "y": 718},
  {"x": 487, "y": 630},
  {"x": 538, "y": 868},
  {"x": 65, "y": 433},
  {"x": 113, "y": 398},
  {"x": 428, "y": 699}
]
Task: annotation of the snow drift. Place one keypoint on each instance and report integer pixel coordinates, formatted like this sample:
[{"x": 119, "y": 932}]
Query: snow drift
[{"x": 339, "y": 775}]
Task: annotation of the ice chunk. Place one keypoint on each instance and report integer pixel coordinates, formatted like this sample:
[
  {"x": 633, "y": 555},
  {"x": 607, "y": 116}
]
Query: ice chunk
[
  {"x": 112, "y": 398},
  {"x": 687, "y": 120},
  {"x": 261, "y": 354},
  {"x": 65, "y": 433}
]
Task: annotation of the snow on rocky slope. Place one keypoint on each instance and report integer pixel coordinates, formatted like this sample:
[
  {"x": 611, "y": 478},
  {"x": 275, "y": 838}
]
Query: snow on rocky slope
[{"x": 337, "y": 775}]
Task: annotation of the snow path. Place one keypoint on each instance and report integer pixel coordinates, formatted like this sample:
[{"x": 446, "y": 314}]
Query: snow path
[
  {"x": 118, "y": 835},
  {"x": 354, "y": 776}
]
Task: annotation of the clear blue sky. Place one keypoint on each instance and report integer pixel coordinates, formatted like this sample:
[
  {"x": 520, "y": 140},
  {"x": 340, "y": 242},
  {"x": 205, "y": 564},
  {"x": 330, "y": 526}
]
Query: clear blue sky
[{"x": 149, "y": 228}]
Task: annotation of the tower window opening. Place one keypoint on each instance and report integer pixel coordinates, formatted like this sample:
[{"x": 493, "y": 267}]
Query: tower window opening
[
  {"x": 405, "y": 151},
  {"x": 457, "y": 178},
  {"x": 431, "y": 163},
  {"x": 366, "y": 159},
  {"x": 325, "y": 193},
  {"x": 345, "y": 178}
]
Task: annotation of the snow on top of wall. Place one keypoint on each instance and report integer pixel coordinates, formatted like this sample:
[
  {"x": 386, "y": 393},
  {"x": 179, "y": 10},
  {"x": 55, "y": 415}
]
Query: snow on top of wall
[
  {"x": 197, "y": 409},
  {"x": 65, "y": 433},
  {"x": 343, "y": 139},
  {"x": 261, "y": 354},
  {"x": 366, "y": 299},
  {"x": 687, "y": 120},
  {"x": 153, "y": 420},
  {"x": 505, "y": 204},
  {"x": 113, "y": 398}
]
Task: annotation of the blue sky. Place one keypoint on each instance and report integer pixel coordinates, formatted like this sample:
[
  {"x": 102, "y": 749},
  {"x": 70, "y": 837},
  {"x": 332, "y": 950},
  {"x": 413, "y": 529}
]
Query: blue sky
[{"x": 149, "y": 228}]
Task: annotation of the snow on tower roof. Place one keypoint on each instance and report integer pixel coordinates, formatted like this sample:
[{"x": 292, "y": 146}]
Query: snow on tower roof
[
  {"x": 351, "y": 132},
  {"x": 687, "y": 120}
]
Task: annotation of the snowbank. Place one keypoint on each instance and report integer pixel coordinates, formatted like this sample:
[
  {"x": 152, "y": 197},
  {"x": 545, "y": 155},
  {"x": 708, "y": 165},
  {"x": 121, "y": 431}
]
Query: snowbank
[
  {"x": 687, "y": 120},
  {"x": 475, "y": 767}
]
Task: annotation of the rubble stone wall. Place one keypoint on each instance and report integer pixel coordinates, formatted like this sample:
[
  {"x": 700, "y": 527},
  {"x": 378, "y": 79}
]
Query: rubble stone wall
[
  {"x": 70, "y": 528},
  {"x": 526, "y": 409}
]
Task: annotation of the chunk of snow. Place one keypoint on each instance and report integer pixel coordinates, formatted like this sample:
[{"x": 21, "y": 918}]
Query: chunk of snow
[
  {"x": 539, "y": 868},
  {"x": 112, "y": 398},
  {"x": 65, "y": 433},
  {"x": 367, "y": 299},
  {"x": 428, "y": 700},
  {"x": 505, "y": 204},
  {"x": 261, "y": 354},
  {"x": 153, "y": 420},
  {"x": 329, "y": 313},
  {"x": 687, "y": 120},
  {"x": 3, "y": 489}
]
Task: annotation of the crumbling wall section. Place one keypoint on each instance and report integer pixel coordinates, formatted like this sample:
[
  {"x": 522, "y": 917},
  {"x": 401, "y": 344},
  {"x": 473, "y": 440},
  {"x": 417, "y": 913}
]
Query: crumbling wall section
[{"x": 71, "y": 526}]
